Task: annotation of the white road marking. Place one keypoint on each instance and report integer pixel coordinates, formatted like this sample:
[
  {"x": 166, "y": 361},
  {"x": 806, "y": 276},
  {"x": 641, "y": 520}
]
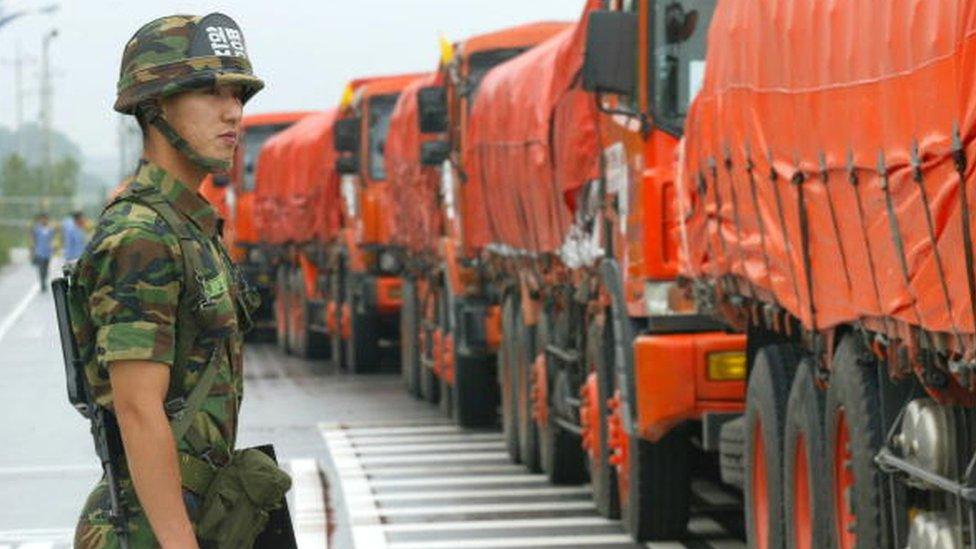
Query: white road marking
[
  {"x": 553, "y": 541},
  {"x": 487, "y": 508},
  {"x": 45, "y": 470},
  {"x": 712, "y": 494},
  {"x": 419, "y": 470},
  {"x": 433, "y": 458},
  {"x": 544, "y": 491},
  {"x": 448, "y": 481},
  {"x": 512, "y": 524},
  {"x": 366, "y": 526},
  {"x": 37, "y": 545},
  {"x": 18, "y": 310},
  {"x": 354, "y": 432},
  {"x": 309, "y": 513},
  {"x": 447, "y": 447},
  {"x": 370, "y": 441}
]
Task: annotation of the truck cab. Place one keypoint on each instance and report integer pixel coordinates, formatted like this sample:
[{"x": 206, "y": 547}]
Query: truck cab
[{"x": 370, "y": 263}]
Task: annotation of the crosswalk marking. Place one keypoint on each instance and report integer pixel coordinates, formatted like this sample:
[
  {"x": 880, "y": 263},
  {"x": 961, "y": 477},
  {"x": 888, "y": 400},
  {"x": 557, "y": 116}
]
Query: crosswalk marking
[
  {"x": 553, "y": 541},
  {"x": 442, "y": 447},
  {"x": 482, "y": 494},
  {"x": 308, "y": 516},
  {"x": 438, "y": 487}
]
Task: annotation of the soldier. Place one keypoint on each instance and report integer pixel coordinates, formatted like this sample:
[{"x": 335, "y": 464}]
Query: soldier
[{"x": 165, "y": 305}]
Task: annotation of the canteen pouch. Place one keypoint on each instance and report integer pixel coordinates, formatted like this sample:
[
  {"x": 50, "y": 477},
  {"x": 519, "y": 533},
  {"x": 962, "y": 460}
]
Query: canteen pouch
[{"x": 236, "y": 507}]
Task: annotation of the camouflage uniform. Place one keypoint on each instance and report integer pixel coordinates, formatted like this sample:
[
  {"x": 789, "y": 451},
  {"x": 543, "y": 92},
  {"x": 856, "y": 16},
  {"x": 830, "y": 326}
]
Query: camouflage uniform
[
  {"x": 145, "y": 300},
  {"x": 132, "y": 275}
]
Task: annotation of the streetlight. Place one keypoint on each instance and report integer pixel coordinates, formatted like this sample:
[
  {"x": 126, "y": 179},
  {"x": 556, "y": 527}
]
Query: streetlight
[
  {"x": 46, "y": 93},
  {"x": 7, "y": 18}
]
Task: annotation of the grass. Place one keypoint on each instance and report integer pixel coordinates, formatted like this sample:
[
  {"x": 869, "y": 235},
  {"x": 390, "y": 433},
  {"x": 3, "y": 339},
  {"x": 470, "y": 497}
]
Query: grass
[{"x": 9, "y": 238}]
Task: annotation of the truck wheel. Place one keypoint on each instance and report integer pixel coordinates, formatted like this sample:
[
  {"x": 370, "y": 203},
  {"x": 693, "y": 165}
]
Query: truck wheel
[
  {"x": 560, "y": 452},
  {"x": 410, "y": 359},
  {"x": 766, "y": 396},
  {"x": 475, "y": 390},
  {"x": 362, "y": 352},
  {"x": 654, "y": 481},
  {"x": 334, "y": 308},
  {"x": 803, "y": 453},
  {"x": 429, "y": 383},
  {"x": 593, "y": 420},
  {"x": 525, "y": 357},
  {"x": 297, "y": 314},
  {"x": 282, "y": 310},
  {"x": 853, "y": 432},
  {"x": 508, "y": 380},
  {"x": 308, "y": 343}
]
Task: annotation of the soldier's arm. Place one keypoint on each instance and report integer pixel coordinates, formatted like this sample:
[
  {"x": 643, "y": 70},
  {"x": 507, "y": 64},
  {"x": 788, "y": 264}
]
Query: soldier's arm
[
  {"x": 134, "y": 283},
  {"x": 139, "y": 392}
]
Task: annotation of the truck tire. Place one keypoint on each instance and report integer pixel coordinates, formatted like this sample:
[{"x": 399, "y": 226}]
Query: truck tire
[
  {"x": 594, "y": 415},
  {"x": 446, "y": 402},
  {"x": 475, "y": 390},
  {"x": 731, "y": 445},
  {"x": 525, "y": 357},
  {"x": 508, "y": 379},
  {"x": 560, "y": 454},
  {"x": 429, "y": 383},
  {"x": 308, "y": 343},
  {"x": 410, "y": 359},
  {"x": 296, "y": 315},
  {"x": 336, "y": 343},
  {"x": 655, "y": 486},
  {"x": 362, "y": 351},
  {"x": 282, "y": 310},
  {"x": 766, "y": 397},
  {"x": 806, "y": 507},
  {"x": 854, "y": 434}
]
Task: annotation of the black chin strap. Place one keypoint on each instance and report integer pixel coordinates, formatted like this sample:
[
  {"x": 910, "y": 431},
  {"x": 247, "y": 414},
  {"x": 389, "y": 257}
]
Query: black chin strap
[{"x": 152, "y": 114}]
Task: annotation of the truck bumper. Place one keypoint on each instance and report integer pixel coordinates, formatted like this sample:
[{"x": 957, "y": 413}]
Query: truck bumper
[{"x": 674, "y": 381}]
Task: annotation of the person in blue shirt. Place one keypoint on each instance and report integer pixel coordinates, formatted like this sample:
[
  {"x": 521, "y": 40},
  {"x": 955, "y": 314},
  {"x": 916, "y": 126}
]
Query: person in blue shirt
[
  {"x": 42, "y": 247},
  {"x": 74, "y": 236}
]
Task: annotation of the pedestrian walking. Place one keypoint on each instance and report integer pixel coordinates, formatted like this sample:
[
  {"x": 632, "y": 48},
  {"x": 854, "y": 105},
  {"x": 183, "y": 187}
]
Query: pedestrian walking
[
  {"x": 74, "y": 235},
  {"x": 159, "y": 311},
  {"x": 42, "y": 247}
]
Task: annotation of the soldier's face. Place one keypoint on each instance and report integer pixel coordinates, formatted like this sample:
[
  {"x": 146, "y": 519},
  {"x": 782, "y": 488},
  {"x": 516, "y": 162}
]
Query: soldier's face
[{"x": 208, "y": 119}]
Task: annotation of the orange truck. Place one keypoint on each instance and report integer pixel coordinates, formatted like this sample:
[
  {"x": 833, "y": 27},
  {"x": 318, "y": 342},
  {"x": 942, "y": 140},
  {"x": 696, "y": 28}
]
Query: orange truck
[
  {"x": 298, "y": 217},
  {"x": 563, "y": 206},
  {"x": 449, "y": 318},
  {"x": 233, "y": 197},
  {"x": 366, "y": 295},
  {"x": 825, "y": 190}
]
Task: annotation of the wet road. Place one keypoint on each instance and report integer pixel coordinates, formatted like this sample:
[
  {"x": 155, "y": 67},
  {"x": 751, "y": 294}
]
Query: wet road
[{"x": 378, "y": 468}]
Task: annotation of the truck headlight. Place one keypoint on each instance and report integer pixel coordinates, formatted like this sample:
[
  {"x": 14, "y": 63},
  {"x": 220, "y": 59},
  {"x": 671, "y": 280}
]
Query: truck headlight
[
  {"x": 667, "y": 298},
  {"x": 389, "y": 262}
]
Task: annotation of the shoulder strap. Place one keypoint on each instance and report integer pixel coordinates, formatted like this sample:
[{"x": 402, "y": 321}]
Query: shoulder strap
[
  {"x": 181, "y": 423},
  {"x": 192, "y": 268}
]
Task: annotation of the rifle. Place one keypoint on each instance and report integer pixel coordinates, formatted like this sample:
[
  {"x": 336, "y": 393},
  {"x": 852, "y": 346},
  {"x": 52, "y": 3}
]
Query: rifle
[{"x": 104, "y": 428}]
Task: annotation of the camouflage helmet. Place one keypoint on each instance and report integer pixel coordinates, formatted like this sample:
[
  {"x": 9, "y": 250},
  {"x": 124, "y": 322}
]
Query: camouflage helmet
[{"x": 177, "y": 53}]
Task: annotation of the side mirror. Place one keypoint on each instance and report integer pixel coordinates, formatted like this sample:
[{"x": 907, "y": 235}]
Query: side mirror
[
  {"x": 346, "y": 133},
  {"x": 434, "y": 153},
  {"x": 432, "y": 104},
  {"x": 347, "y": 165},
  {"x": 221, "y": 180},
  {"x": 610, "y": 63}
]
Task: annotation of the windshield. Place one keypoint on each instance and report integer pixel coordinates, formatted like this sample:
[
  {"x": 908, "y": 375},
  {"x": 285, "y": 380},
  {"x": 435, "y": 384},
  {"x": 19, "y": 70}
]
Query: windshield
[
  {"x": 679, "y": 32},
  {"x": 254, "y": 138},
  {"x": 480, "y": 63},
  {"x": 380, "y": 109}
]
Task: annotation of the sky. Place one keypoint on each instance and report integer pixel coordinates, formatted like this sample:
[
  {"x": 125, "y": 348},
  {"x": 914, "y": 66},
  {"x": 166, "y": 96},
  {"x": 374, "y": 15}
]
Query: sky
[{"x": 305, "y": 50}]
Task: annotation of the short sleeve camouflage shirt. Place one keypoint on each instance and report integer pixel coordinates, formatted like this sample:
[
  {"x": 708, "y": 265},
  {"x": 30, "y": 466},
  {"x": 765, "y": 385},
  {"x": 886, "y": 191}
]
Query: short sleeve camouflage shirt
[{"x": 132, "y": 274}]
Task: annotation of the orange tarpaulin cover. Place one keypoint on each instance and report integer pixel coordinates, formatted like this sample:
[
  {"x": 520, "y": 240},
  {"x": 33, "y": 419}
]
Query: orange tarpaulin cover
[
  {"x": 531, "y": 143},
  {"x": 415, "y": 216},
  {"x": 297, "y": 185},
  {"x": 818, "y": 163}
]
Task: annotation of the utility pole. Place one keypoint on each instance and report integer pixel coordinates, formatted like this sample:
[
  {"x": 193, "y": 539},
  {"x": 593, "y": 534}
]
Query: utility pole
[
  {"x": 18, "y": 62},
  {"x": 47, "y": 93}
]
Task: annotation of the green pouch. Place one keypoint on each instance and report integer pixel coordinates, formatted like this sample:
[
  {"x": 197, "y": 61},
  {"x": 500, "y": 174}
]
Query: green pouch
[{"x": 236, "y": 506}]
